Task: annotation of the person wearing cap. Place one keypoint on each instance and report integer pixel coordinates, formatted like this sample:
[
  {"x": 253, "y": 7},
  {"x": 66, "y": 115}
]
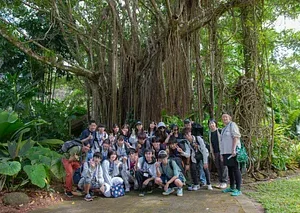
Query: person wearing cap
[
  {"x": 214, "y": 137},
  {"x": 146, "y": 172},
  {"x": 92, "y": 176},
  {"x": 169, "y": 174},
  {"x": 230, "y": 140},
  {"x": 162, "y": 134},
  {"x": 129, "y": 169}
]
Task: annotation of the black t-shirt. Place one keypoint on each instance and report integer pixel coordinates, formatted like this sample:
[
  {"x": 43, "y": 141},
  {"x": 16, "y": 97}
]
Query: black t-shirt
[{"x": 215, "y": 141}]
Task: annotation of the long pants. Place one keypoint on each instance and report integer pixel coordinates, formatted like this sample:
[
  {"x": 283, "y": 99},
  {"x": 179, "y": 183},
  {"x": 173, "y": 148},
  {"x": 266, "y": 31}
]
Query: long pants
[
  {"x": 139, "y": 175},
  {"x": 128, "y": 178},
  {"x": 235, "y": 175},
  {"x": 70, "y": 167},
  {"x": 195, "y": 173},
  {"x": 202, "y": 174},
  {"x": 222, "y": 170}
]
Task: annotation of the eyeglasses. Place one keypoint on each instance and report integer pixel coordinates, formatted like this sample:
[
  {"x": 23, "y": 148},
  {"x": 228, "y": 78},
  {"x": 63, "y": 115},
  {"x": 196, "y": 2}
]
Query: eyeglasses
[{"x": 175, "y": 130}]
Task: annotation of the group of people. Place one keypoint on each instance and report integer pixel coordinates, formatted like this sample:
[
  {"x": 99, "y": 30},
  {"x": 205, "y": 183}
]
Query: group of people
[{"x": 160, "y": 156}]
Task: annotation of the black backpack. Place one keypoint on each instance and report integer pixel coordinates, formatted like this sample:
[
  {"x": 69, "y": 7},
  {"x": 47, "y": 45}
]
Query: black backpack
[{"x": 69, "y": 144}]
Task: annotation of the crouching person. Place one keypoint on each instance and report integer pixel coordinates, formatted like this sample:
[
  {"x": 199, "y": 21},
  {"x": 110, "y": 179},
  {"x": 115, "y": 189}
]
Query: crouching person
[
  {"x": 71, "y": 161},
  {"x": 146, "y": 172},
  {"x": 92, "y": 177},
  {"x": 169, "y": 174},
  {"x": 129, "y": 169}
]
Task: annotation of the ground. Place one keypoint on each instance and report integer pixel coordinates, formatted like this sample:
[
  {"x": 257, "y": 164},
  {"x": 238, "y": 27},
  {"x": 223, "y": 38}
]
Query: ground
[{"x": 199, "y": 201}]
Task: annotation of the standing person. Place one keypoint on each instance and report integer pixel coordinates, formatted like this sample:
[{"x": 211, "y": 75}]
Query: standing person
[
  {"x": 169, "y": 175},
  {"x": 71, "y": 161},
  {"x": 230, "y": 140},
  {"x": 105, "y": 149},
  {"x": 199, "y": 154},
  {"x": 214, "y": 137},
  {"x": 113, "y": 136},
  {"x": 125, "y": 132},
  {"x": 146, "y": 172},
  {"x": 92, "y": 176},
  {"x": 142, "y": 144},
  {"x": 121, "y": 148},
  {"x": 138, "y": 130}
]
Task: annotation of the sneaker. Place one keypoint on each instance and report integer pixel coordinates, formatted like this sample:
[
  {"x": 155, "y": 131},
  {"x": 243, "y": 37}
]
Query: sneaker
[
  {"x": 127, "y": 189},
  {"x": 180, "y": 192},
  {"x": 150, "y": 192},
  {"x": 209, "y": 187},
  {"x": 69, "y": 194},
  {"x": 218, "y": 185},
  {"x": 141, "y": 194},
  {"x": 88, "y": 197},
  {"x": 236, "y": 193},
  {"x": 169, "y": 191},
  {"x": 228, "y": 190},
  {"x": 223, "y": 186},
  {"x": 193, "y": 187}
]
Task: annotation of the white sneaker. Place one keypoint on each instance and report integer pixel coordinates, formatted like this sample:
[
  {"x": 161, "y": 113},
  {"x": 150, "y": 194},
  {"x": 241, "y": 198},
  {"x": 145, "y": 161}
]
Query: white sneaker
[
  {"x": 209, "y": 187},
  {"x": 218, "y": 185},
  {"x": 223, "y": 186},
  {"x": 196, "y": 187},
  {"x": 127, "y": 189}
]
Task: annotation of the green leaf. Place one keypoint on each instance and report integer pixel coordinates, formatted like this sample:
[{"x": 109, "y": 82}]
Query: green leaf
[
  {"x": 36, "y": 174},
  {"x": 51, "y": 142},
  {"x": 10, "y": 167}
]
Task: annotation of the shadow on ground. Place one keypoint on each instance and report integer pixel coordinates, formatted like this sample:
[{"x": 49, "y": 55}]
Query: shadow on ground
[{"x": 197, "y": 201}]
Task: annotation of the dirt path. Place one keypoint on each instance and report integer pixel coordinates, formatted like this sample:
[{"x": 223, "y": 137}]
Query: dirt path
[{"x": 198, "y": 201}]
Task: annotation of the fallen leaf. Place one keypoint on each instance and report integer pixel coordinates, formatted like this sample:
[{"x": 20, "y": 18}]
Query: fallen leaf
[
  {"x": 73, "y": 203},
  {"x": 21, "y": 205},
  {"x": 32, "y": 202}
]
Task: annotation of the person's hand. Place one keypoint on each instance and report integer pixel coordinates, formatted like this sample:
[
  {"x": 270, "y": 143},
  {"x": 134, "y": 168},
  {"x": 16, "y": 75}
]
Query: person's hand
[
  {"x": 157, "y": 164},
  {"x": 189, "y": 137},
  {"x": 92, "y": 163},
  {"x": 205, "y": 166},
  {"x": 233, "y": 153},
  {"x": 90, "y": 137},
  {"x": 124, "y": 159},
  {"x": 179, "y": 149},
  {"x": 221, "y": 158},
  {"x": 146, "y": 182},
  {"x": 166, "y": 186},
  {"x": 139, "y": 146}
]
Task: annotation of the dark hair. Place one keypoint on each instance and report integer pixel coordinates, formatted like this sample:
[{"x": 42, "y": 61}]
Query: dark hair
[
  {"x": 101, "y": 125},
  {"x": 91, "y": 121},
  {"x": 112, "y": 152},
  {"x": 141, "y": 135},
  {"x": 148, "y": 150},
  {"x": 212, "y": 121},
  {"x": 120, "y": 138},
  {"x": 106, "y": 141},
  {"x": 154, "y": 129},
  {"x": 172, "y": 139},
  {"x": 155, "y": 139},
  {"x": 97, "y": 155},
  {"x": 186, "y": 130}
]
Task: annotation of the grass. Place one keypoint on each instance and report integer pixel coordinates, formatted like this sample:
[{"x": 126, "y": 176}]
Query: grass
[{"x": 278, "y": 196}]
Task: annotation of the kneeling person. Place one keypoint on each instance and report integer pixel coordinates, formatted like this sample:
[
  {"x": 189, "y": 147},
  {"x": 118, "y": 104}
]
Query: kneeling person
[
  {"x": 169, "y": 174},
  {"x": 92, "y": 176}
]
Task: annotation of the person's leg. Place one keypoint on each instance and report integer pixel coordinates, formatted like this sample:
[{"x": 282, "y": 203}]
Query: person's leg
[
  {"x": 237, "y": 176},
  {"x": 195, "y": 173},
  {"x": 217, "y": 162},
  {"x": 125, "y": 177},
  {"x": 207, "y": 176},
  {"x": 69, "y": 175},
  {"x": 201, "y": 173},
  {"x": 159, "y": 181}
]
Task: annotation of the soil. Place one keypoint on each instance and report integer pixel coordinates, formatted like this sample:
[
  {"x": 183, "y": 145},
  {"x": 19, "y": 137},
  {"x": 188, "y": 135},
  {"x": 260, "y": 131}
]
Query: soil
[{"x": 38, "y": 199}]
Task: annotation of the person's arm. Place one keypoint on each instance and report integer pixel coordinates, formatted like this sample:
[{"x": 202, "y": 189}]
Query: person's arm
[
  {"x": 203, "y": 150},
  {"x": 100, "y": 177},
  {"x": 106, "y": 176},
  {"x": 236, "y": 137},
  {"x": 158, "y": 172}
]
